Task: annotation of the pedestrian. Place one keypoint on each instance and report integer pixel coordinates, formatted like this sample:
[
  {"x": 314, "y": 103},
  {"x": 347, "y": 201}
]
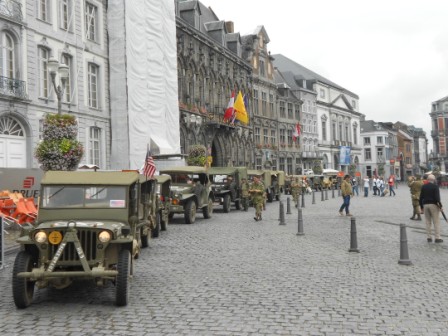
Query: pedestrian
[
  {"x": 391, "y": 183},
  {"x": 245, "y": 194},
  {"x": 380, "y": 185},
  {"x": 375, "y": 186},
  {"x": 296, "y": 190},
  {"x": 415, "y": 186},
  {"x": 355, "y": 186},
  {"x": 430, "y": 205},
  {"x": 346, "y": 191},
  {"x": 366, "y": 186},
  {"x": 257, "y": 191}
]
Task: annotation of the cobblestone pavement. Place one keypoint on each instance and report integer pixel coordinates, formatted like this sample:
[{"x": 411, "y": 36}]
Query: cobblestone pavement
[{"x": 231, "y": 275}]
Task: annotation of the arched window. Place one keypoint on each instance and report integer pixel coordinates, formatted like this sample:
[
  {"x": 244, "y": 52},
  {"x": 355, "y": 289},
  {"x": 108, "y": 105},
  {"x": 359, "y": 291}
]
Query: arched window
[{"x": 7, "y": 56}]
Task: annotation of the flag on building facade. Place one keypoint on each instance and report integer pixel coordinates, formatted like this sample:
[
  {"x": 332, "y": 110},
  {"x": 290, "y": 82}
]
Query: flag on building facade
[
  {"x": 229, "y": 110},
  {"x": 150, "y": 167},
  {"x": 240, "y": 109},
  {"x": 296, "y": 132}
]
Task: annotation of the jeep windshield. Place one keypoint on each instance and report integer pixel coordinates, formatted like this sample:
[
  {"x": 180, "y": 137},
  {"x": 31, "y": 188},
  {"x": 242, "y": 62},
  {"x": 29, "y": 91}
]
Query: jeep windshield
[
  {"x": 183, "y": 178},
  {"x": 84, "y": 197}
]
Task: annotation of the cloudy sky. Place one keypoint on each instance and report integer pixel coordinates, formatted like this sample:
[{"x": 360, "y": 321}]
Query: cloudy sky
[{"x": 392, "y": 53}]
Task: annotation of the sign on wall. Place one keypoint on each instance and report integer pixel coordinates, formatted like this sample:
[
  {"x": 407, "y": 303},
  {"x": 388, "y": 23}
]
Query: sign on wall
[{"x": 344, "y": 156}]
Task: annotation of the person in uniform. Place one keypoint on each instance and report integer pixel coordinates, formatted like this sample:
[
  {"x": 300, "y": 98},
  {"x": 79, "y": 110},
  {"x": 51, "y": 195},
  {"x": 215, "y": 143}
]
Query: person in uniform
[
  {"x": 296, "y": 190},
  {"x": 231, "y": 185},
  {"x": 245, "y": 193},
  {"x": 415, "y": 186},
  {"x": 257, "y": 192}
]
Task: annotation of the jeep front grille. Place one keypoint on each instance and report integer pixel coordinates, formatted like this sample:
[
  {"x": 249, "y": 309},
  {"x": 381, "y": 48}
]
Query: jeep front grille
[{"x": 88, "y": 240}]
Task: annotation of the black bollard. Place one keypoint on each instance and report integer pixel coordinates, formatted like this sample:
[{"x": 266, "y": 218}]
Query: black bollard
[
  {"x": 280, "y": 210},
  {"x": 339, "y": 192},
  {"x": 353, "y": 237},
  {"x": 303, "y": 200},
  {"x": 300, "y": 223},
  {"x": 332, "y": 191},
  {"x": 288, "y": 206},
  {"x": 282, "y": 214},
  {"x": 322, "y": 195},
  {"x": 314, "y": 198},
  {"x": 326, "y": 194},
  {"x": 404, "y": 253}
]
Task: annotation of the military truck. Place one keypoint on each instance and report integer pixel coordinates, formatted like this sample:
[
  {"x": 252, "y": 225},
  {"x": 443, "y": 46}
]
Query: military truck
[
  {"x": 224, "y": 192},
  {"x": 90, "y": 225},
  {"x": 163, "y": 190},
  {"x": 190, "y": 191}
]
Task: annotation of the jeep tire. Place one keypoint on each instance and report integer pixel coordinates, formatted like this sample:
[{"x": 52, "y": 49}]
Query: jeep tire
[
  {"x": 156, "y": 230},
  {"x": 122, "y": 279},
  {"x": 190, "y": 211},
  {"x": 226, "y": 203},
  {"x": 22, "y": 288},
  {"x": 208, "y": 209}
]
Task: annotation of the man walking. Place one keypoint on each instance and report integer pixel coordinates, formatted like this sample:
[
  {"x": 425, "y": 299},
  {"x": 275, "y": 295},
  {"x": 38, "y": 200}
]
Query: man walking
[
  {"x": 245, "y": 194},
  {"x": 391, "y": 183},
  {"x": 366, "y": 186},
  {"x": 257, "y": 192},
  {"x": 415, "y": 186},
  {"x": 346, "y": 191},
  {"x": 431, "y": 206}
]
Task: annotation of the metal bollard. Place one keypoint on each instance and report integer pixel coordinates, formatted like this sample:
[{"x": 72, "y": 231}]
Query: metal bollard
[
  {"x": 314, "y": 198},
  {"x": 404, "y": 253},
  {"x": 332, "y": 191},
  {"x": 353, "y": 236},
  {"x": 339, "y": 192},
  {"x": 303, "y": 200},
  {"x": 326, "y": 194},
  {"x": 300, "y": 223},
  {"x": 288, "y": 206},
  {"x": 280, "y": 210},
  {"x": 322, "y": 195},
  {"x": 282, "y": 214}
]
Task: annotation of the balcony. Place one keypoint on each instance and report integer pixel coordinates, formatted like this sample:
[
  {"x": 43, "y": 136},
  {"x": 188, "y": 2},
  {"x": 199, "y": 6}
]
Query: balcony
[
  {"x": 11, "y": 9},
  {"x": 13, "y": 87}
]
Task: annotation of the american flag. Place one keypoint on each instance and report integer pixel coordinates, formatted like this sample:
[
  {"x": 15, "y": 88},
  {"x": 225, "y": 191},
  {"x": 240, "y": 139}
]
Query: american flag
[{"x": 150, "y": 167}]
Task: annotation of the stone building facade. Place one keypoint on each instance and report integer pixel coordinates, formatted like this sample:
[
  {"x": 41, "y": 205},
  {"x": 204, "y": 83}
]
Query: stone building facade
[
  {"x": 74, "y": 33},
  {"x": 210, "y": 68}
]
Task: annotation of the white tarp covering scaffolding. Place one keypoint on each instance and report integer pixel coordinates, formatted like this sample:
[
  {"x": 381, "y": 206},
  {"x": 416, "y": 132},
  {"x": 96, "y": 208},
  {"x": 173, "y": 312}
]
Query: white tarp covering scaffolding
[{"x": 143, "y": 80}]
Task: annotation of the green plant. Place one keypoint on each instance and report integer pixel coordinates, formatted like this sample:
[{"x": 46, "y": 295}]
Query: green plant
[
  {"x": 59, "y": 149},
  {"x": 197, "y": 156}
]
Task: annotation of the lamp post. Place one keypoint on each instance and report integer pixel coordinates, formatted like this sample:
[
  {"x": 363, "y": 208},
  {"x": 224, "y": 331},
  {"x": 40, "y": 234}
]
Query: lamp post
[{"x": 62, "y": 70}]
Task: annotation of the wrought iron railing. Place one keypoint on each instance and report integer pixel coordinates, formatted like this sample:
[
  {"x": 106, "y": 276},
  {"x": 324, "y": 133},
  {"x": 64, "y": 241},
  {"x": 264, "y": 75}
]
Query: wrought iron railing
[
  {"x": 12, "y": 9},
  {"x": 13, "y": 87}
]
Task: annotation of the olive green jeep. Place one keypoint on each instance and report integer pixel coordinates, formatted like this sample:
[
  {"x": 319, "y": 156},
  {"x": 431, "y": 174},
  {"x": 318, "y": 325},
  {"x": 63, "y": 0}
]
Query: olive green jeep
[
  {"x": 90, "y": 225},
  {"x": 226, "y": 185},
  {"x": 190, "y": 192}
]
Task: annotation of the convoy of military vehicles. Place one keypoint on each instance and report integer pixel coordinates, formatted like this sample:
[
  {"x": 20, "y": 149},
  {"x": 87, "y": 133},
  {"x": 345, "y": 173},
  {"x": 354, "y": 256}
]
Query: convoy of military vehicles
[{"x": 94, "y": 224}]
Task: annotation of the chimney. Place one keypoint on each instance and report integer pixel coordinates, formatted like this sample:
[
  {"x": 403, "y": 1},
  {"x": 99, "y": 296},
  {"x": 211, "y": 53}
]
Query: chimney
[{"x": 229, "y": 26}]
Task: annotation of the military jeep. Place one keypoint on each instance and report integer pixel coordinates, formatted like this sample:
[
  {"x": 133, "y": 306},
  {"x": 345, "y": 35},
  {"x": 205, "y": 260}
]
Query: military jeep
[
  {"x": 225, "y": 192},
  {"x": 90, "y": 225},
  {"x": 190, "y": 191}
]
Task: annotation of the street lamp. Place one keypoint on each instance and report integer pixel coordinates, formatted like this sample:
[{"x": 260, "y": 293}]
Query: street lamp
[{"x": 62, "y": 70}]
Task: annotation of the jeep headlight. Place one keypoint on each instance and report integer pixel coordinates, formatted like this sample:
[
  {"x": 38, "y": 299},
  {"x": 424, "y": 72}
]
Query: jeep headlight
[
  {"x": 104, "y": 236},
  {"x": 40, "y": 237}
]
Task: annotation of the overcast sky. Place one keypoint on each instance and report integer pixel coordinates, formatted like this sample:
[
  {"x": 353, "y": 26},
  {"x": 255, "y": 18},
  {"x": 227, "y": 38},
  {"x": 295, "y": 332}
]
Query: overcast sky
[{"x": 392, "y": 53}]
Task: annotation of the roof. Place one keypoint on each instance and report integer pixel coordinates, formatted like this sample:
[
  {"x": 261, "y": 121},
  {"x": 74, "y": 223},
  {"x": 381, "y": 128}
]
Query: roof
[
  {"x": 285, "y": 64},
  {"x": 92, "y": 178},
  {"x": 162, "y": 178},
  {"x": 185, "y": 169}
]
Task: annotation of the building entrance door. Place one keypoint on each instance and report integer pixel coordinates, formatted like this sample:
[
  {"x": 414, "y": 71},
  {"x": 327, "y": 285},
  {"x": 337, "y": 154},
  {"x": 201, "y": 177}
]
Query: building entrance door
[{"x": 12, "y": 144}]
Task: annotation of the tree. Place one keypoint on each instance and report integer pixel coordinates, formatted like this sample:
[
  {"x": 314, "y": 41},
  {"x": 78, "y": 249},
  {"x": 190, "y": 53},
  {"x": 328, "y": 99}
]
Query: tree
[{"x": 59, "y": 149}]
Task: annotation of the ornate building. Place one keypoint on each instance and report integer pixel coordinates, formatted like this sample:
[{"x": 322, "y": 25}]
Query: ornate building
[
  {"x": 33, "y": 37},
  {"x": 210, "y": 68},
  {"x": 439, "y": 133}
]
